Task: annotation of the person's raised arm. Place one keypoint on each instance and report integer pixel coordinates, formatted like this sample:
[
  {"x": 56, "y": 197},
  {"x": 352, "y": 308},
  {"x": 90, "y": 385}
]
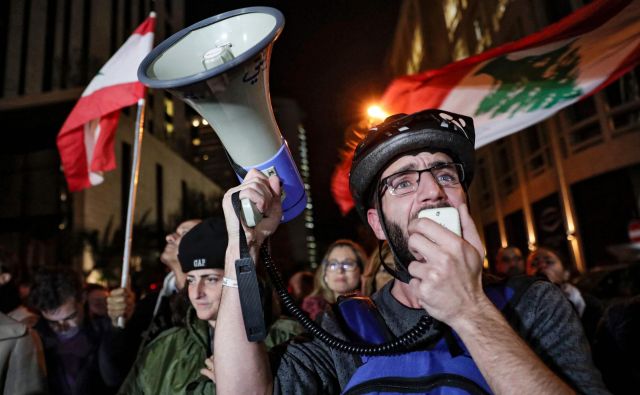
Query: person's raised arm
[
  {"x": 447, "y": 280},
  {"x": 242, "y": 367}
]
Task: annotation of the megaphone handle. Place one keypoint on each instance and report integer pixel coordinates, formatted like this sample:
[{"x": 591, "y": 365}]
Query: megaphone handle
[{"x": 250, "y": 213}]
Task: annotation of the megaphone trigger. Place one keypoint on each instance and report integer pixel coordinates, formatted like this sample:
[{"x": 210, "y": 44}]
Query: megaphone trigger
[{"x": 250, "y": 213}]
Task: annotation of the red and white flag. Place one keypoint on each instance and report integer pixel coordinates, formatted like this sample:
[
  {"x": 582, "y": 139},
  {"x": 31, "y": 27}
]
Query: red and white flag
[
  {"x": 86, "y": 139},
  {"x": 516, "y": 85}
]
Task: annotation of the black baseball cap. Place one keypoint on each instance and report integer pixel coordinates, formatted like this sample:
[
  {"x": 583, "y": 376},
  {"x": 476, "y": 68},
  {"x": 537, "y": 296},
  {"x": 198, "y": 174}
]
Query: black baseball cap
[{"x": 204, "y": 246}]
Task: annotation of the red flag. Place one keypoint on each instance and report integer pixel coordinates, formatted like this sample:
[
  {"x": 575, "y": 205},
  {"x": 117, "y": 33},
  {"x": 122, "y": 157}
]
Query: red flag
[
  {"x": 85, "y": 141},
  {"x": 516, "y": 85}
]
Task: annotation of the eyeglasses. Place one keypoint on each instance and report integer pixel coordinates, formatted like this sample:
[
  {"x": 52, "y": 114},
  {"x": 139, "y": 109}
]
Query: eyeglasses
[
  {"x": 405, "y": 182},
  {"x": 346, "y": 265}
]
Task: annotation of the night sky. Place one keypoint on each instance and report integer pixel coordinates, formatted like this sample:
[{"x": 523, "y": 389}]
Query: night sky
[{"x": 331, "y": 59}]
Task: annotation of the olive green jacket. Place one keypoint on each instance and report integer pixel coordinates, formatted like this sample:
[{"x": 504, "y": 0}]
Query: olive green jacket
[{"x": 171, "y": 363}]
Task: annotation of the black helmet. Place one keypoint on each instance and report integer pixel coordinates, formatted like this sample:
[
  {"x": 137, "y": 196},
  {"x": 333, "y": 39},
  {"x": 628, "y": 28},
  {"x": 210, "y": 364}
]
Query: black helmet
[{"x": 400, "y": 134}]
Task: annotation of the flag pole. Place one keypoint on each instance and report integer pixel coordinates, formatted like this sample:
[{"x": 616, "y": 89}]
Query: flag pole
[{"x": 133, "y": 187}]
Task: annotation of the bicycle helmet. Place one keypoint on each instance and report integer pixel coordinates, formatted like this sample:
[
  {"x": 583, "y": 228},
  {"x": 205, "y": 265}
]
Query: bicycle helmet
[{"x": 401, "y": 134}]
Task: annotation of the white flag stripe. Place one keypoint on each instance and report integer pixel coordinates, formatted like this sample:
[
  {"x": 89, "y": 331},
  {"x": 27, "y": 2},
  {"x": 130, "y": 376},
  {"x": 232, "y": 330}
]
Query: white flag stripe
[
  {"x": 122, "y": 67},
  {"x": 601, "y": 51}
]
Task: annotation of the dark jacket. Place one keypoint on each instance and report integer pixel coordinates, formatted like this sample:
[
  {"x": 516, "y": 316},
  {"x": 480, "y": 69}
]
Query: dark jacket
[{"x": 98, "y": 371}]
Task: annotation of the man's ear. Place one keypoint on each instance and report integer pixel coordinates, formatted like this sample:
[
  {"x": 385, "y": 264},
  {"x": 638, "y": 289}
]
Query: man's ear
[{"x": 374, "y": 222}]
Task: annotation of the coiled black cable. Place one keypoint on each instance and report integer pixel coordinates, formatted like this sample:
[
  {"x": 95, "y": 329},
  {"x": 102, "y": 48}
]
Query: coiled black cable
[{"x": 402, "y": 343}]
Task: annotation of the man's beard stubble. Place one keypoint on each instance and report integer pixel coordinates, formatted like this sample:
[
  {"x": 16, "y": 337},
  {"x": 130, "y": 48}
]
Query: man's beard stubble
[{"x": 400, "y": 242}]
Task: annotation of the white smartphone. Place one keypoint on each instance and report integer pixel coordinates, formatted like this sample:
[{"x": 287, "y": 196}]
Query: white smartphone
[{"x": 445, "y": 216}]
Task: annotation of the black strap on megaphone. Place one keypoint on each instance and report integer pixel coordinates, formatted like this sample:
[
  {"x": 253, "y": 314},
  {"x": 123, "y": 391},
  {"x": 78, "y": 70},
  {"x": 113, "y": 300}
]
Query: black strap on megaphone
[
  {"x": 253, "y": 316},
  {"x": 248, "y": 287},
  {"x": 402, "y": 343},
  {"x": 239, "y": 170}
]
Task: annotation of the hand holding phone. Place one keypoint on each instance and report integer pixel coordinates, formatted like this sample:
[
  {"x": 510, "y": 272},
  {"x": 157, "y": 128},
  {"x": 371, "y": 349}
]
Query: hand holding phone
[{"x": 445, "y": 216}]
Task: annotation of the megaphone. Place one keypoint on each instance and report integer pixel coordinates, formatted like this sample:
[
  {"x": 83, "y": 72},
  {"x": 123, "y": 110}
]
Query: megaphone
[{"x": 220, "y": 67}]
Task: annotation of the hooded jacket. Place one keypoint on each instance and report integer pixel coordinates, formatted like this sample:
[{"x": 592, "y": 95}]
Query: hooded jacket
[{"x": 22, "y": 368}]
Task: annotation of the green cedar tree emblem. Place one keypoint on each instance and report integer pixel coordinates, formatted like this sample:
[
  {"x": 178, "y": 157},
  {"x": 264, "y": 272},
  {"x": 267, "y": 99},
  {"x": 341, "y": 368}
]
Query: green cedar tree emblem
[{"x": 531, "y": 83}]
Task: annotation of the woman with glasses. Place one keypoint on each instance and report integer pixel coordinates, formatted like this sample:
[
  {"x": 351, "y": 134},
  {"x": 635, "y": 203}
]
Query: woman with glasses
[{"x": 339, "y": 274}]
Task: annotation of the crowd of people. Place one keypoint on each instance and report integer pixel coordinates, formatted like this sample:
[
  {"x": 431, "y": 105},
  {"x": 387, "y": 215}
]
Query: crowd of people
[{"x": 520, "y": 327}]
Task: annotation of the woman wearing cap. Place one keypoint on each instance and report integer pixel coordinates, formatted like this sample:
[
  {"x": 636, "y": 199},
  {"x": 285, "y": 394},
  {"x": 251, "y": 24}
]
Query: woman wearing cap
[
  {"x": 340, "y": 274},
  {"x": 180, "y": 360}
]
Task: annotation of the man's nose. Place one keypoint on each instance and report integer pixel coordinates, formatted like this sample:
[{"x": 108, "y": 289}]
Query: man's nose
[
  {"x": 429, "y": 189},
  {"x": 171, "y": 237}
]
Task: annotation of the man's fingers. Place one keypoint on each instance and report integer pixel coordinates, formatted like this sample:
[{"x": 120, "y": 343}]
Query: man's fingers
[{"x": 469, "y": 230}]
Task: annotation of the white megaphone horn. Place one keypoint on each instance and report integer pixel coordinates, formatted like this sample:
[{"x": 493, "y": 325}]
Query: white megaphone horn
[{"x": 220, "y": 67}]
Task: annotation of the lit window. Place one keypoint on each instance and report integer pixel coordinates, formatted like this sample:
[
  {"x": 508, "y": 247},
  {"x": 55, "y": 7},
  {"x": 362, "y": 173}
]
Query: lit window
[
  {"x": 168, "y": 127},
  {"x": 417, "y": 52},
  {"x": 460, "y": 51},
  {"x": 451, "y": 14},
  {"x": 168, "y": 106},
  {"x": 497, "y": 16}
]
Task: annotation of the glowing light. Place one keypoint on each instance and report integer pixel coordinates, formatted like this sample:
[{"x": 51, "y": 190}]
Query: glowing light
[
  {"x": 195, "y": 123},
  {"x": 376, "y": 112},
  {"x": 205, "y": 122},
  {"x": 196, "y": 141}
]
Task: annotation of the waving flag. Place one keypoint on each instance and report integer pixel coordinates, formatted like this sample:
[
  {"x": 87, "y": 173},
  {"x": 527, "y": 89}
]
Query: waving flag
[
  {"x": 86, "y": 139},
  {"x": 516, "y": 85},
  {"x": 519, "y": 84}
]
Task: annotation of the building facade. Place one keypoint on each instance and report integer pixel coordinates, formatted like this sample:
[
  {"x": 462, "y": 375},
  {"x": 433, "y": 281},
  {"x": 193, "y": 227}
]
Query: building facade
[
  {"x": 51, "y": 50},
  {"x": 571, "y": 182}
]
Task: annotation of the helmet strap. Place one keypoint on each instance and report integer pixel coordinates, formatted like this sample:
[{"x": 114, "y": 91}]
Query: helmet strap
[{"x": 400, "y": 272}]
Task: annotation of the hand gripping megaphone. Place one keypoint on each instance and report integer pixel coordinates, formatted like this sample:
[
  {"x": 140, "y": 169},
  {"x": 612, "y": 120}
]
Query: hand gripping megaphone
[{"x": 220, "y": 67}]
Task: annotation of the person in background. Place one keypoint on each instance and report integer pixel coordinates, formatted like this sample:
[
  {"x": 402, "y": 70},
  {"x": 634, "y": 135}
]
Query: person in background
[
  {"x": 340, "y": 274},
  {"x": 509, "y": 262},
  {"x": 96, "y": 299},
  {"x": 546, "y": 262},
  {"x": 375, "y": 275},
  {"x": 22, "y": 366},
  {"x": 10, "y": 299},
  {"x": 158, "y": 311},
  {"x": 190, "y": 347},
  {"x": 617, "y": 346},
  {"x": 300, "y": 285},
  {"x": 81, "y": 353}
]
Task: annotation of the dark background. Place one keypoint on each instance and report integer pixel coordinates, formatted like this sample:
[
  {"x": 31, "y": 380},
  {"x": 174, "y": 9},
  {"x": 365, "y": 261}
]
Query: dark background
[{"x": 331, "y": 58}]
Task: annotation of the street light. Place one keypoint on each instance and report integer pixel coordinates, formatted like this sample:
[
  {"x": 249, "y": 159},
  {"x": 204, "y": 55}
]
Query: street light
[{"x": 376, "y": 114}]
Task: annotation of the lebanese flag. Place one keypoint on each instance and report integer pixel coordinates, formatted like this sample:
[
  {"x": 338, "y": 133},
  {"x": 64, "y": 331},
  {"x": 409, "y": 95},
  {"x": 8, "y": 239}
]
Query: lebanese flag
[
  {"x": 86, "y": 139},
  {"x": 516, "y": 85}
]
